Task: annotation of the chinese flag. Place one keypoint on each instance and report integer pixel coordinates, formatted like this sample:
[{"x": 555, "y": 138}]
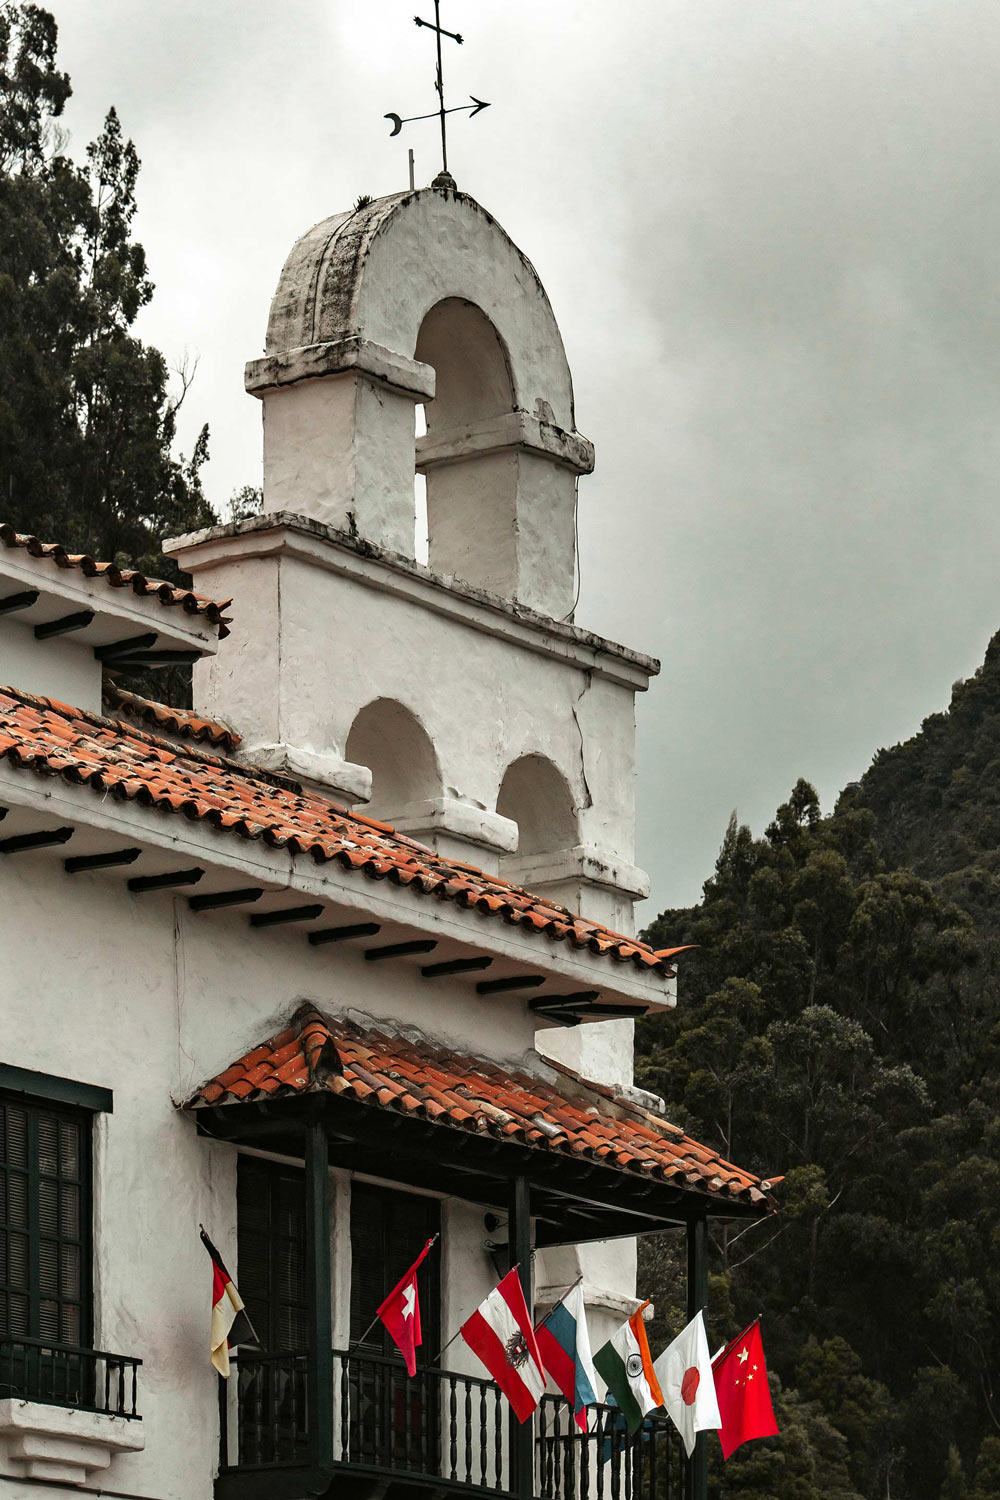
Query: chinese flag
[
  {"x": 741, "y": 1389},
  {"x": 400, "y": 1312}
]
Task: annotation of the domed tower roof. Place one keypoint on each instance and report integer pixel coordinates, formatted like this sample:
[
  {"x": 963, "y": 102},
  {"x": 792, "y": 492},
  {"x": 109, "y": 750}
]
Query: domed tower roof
[{"x": 421, "y": 298}]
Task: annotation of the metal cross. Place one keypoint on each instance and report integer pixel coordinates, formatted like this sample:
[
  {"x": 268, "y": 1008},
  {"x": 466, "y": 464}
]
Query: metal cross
[{"x": 477, "y": 104}]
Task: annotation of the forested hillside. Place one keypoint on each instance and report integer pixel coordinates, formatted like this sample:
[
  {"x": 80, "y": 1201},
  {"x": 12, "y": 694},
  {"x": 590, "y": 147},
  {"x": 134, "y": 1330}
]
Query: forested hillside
[
  {"x": 936, "y": 798},
  {"x": 840, "y": 1026}
]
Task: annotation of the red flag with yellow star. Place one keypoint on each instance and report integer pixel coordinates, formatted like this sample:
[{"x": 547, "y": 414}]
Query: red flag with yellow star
[{"x": 741, "y": 1389}]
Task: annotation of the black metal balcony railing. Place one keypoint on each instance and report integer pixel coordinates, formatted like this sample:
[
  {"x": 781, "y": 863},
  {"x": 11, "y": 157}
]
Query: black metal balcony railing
[
  {"x": 606, "y": 1462},
  {"x": 66, "y": 1375},
  {"x": 451, "y": 1428}
]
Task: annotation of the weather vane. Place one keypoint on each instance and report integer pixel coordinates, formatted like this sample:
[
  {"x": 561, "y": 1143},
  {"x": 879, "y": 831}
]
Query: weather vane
[{"x": 477, "y": 104}]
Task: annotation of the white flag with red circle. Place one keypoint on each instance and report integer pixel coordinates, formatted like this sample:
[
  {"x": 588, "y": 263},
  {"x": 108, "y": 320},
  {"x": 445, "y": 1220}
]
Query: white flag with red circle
[{"x": 684, "y": 1371}]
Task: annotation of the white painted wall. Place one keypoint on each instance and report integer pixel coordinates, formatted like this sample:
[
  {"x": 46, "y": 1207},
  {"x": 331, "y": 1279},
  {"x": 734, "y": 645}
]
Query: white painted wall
[
  {"x": 63, "y": 669},
  {"x": 327, "y": 632},
  {"x": 143, "y": 997}
]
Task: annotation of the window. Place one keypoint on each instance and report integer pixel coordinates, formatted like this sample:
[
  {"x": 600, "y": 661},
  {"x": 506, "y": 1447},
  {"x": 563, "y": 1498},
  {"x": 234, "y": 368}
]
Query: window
[
  {"x": 45, "y": 1216},
  {"x": 388, "y": 1231},
  {"x": 271, "y": 1245},
  {"x": 395, "y": 1422},
  {"x": 271, "y": 1276}
]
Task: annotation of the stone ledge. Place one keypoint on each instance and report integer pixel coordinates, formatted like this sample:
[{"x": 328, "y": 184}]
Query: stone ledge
[
  {"x": 315, "y": 361},
  {"x": 583, "y": 862},
  {"x": 595, "y": 1296},
  {"x": 281, "y": 533},
  {"x": 509, "y": 430},
  {"x": 324, "y": 774},
  {"x": 63, "y": 1445},
  {"x": 462, "y": 820}
]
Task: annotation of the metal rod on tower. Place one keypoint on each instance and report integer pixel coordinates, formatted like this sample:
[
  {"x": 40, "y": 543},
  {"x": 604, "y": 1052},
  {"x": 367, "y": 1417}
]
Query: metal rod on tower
[
  {"x": 442, "y": 111},
  {"x": 440, "y": 86}
]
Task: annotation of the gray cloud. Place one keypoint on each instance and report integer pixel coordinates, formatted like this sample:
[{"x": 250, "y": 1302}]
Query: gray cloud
[{"x": 769, "y": 229}]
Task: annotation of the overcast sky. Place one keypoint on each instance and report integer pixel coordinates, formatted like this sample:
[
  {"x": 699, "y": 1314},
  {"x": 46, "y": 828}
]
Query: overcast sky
[{"x": 770, "y": 231}]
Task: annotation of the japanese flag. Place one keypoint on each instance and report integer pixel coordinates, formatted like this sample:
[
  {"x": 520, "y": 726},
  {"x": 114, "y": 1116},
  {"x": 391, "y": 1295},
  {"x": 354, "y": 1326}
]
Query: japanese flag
[{"x": 684, "y": 1371}]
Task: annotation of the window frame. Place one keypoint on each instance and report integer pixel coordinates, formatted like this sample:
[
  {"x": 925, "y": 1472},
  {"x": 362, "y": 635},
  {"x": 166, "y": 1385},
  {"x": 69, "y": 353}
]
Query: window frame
[{"x": 36, "y": 1106}]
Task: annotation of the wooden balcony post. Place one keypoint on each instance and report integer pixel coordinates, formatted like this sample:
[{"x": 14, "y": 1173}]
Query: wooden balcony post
[
  {"x": 697, "y": 1301},
  {"x": 522, "y": 1434},
  {"x": 318, "y": 1289}
]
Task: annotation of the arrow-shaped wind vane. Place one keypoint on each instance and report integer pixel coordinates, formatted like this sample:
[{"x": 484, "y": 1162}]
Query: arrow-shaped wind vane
[
  {"x": 473, "y": 108},
  {"x": 398, "y": 121}
]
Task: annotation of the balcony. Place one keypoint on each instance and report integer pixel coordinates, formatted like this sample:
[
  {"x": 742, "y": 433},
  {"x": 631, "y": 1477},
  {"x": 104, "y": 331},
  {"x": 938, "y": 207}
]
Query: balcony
[
  {"x": 65, "y": 1410},
  {"x": 440, "y": 1433}
]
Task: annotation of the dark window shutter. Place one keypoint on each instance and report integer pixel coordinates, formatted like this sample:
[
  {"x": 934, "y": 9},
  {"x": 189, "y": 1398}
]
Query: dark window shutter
[
  {"x": 271, "y": 1246},
  {"x": 45, "y": 1221},
  {"x": 388, "y": 1231}
]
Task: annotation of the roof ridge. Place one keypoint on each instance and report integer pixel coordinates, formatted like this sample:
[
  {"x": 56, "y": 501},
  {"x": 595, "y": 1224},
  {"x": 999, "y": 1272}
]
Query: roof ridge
[
  {"x": 187, "y": 722},
  {"x": 118, "y": 577},
  {"x": 236, "y": 796}
]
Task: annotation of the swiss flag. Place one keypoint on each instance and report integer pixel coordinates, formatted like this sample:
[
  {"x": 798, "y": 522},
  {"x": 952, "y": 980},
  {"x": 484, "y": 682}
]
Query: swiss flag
[
  {"x": 741, "y": 1389},
  {"x": 400, "y": 1312}
]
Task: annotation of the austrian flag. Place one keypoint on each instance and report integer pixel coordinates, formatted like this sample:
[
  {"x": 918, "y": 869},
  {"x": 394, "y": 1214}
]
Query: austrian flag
[
  {"x": 500, "y": 1334},
  {"x": 230, "y": 1324}
]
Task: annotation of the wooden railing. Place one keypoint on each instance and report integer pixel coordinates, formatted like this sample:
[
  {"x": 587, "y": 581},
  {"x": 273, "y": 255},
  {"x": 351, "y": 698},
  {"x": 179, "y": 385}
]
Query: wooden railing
[{"x": 440, "y": 1425}]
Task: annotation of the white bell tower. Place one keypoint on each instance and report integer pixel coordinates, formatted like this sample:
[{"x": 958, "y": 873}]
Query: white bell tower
[
  {"x": 454, "y": 700},
  {"x": 422, "y": 298}
]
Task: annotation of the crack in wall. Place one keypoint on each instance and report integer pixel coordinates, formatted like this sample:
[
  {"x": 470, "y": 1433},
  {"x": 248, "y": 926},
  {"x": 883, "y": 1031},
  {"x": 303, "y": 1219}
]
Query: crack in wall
[{"x": 588, "y": 682}]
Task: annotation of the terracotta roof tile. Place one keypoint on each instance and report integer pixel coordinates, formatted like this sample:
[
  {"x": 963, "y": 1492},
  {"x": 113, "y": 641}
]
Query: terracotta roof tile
[
  {"x": 120, "y": 578},
  {"x": 478, "y": 1095},
  {"x": 112, "y": 756},
  {"x": 183, "y": 722}
]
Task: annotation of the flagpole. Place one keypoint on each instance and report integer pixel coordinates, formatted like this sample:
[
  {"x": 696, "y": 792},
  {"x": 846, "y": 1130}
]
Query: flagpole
[
  {"x": 733, "y": 1342},
  {"x": 555, "y": 1308}
]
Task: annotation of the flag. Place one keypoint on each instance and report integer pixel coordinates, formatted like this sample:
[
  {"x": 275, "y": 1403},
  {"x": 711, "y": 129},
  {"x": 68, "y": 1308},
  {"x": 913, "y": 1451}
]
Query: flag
[
  {"x": 230, "y": 1325},
  {"x": 500, "y": 1333},
  {"x": 741, "y": 1387},
  {"x": 400, "y": 1312},
  {"x": 684, "y": 1371},
  {"x": 625, "y": 1364},
  {"x": 564, "y": 1344}
]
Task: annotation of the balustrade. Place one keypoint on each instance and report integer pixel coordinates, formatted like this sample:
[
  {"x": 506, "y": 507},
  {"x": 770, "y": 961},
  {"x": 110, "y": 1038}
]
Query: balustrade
[
  {"x": 449, "y": 1427},
  {"x": 68, "y": 1375}
]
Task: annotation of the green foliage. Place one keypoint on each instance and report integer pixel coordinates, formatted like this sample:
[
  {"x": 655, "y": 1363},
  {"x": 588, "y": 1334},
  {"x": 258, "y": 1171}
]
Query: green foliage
[
  {"x": 87, "y": 423},
  {"x": 838, "y": 1029}
]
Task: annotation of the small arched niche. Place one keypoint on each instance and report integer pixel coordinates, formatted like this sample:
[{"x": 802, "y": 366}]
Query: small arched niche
[
  {"x": 391, "y": 741},
  {"x": 471, "y": 477},
  {"x": 535, "y": 794}
]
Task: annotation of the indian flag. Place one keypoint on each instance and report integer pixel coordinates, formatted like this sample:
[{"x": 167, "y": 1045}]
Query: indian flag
[{"x": 627, "y": 1367}]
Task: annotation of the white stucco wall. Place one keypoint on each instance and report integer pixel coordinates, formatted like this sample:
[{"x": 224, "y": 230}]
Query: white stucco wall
[
  {"x": 143, "y": 997},
  {"x": 326, "y": 633},
  {"x": 64, "y": 670}
]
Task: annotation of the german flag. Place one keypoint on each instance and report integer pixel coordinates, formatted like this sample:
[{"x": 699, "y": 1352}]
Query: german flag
[{"x": 230, "y": 1324}]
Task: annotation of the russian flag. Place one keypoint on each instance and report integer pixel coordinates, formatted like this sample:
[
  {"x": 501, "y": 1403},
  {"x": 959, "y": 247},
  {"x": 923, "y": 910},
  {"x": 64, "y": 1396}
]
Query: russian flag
[{"x": 564, "y": 1343}]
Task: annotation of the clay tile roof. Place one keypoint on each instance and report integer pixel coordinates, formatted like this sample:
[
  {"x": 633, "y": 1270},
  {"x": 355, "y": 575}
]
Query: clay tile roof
[
  {"x": 477, "y": 1095},
  {"x": 120, "y": 578},
  {"x": 133, "y": 765},
  {"x": 183, "y": 722}
]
